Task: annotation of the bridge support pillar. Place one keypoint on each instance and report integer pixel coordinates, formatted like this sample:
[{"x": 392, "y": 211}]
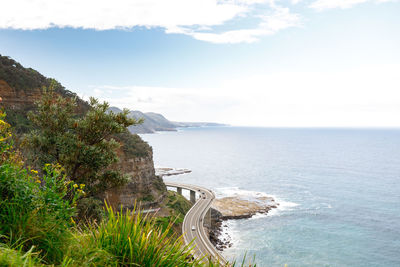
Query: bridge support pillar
[
  {"x": 207, "y": 219},
  {"x": 179, "y": 190},
  {"x": 192, "y": 196}
]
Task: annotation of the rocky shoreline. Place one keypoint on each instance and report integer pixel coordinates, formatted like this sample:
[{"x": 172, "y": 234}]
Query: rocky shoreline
[
  {"x": 228, "y": 208},
  {"x": 234, "y": 208},
  {"x": 170, "y": 171}
]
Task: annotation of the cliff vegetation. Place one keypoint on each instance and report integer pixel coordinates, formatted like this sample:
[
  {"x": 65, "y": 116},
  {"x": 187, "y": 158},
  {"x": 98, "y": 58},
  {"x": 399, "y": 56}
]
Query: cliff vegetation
[{"x": 84, "y": 137}]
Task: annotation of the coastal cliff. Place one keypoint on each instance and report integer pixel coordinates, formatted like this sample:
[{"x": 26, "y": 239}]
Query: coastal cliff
[
  {"x": 21, "y": 87},
  {"x": 144, "y": 188},
  {"x": 18, "y": 99}
]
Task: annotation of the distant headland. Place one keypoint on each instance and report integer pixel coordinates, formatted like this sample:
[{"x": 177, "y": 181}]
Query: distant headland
[{"x": 155, "y": 122}]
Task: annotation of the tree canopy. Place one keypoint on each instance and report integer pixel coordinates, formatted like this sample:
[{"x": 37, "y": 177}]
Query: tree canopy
[{"x": 82, "y": 144}]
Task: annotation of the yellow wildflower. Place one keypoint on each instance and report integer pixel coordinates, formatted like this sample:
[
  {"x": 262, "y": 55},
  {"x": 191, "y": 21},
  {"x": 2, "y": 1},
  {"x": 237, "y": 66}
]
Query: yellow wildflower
[
  {"x": 82, "y": 186},
  {"x": 34, "y": 171},
  {"x": 38, "y": 181},
  {"x": 4, "y": 123},
  {"x": 72, "y": 220},
  {"x": 75, "y": 185}
]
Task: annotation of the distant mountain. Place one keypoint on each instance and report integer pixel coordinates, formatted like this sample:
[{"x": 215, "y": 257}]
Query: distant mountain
[{"x": 155, "y": 122}]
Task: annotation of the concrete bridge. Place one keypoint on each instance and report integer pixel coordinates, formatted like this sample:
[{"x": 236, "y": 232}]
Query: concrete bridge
[
  {"x": 195, "y": 220},
  {"x": 192, "y": 193}
]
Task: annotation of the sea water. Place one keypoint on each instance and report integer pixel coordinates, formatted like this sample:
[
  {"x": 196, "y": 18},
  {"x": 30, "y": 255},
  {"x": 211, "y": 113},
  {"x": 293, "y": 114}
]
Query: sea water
[{"x": 339, "y": 190}]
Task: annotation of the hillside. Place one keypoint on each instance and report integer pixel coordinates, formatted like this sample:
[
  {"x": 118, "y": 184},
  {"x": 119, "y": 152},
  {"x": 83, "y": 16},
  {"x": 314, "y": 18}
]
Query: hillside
[
  {"x": 21, "y": 87},
  {"x": 155, "y": 122}
]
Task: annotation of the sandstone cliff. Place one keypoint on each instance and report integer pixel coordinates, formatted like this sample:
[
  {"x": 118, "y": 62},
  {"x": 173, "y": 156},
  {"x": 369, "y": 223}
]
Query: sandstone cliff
[
  {"x": 18, "y": 99},
  {"x": 144, "y": 189}
]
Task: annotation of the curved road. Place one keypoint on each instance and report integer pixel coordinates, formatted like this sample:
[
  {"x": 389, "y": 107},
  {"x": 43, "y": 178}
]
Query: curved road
[{"x": 192, "y": 227}]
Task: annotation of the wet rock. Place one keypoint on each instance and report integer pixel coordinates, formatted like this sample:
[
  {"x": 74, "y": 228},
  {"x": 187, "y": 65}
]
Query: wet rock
[
  {"x": 235, "y": 208},
  {"x": 242, "y": 208},
  {"x": 170, "y": 171}
]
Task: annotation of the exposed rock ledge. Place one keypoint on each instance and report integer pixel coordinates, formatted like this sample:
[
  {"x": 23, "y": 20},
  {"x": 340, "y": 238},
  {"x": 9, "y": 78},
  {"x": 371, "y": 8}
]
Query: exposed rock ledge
[
  {"x": 241, "y": 208},
  {"x": 170, "y": 171},
  {"x": 235, "y": 208}
]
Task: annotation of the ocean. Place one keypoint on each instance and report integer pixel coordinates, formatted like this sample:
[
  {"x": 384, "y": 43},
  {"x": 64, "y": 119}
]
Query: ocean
[{"x": 338, "y": 189}]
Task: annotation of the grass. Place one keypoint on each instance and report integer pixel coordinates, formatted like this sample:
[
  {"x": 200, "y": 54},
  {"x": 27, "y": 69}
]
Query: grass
[
  {"x": 17, "y": 257},
  {"x": 136, "y": 240},
  {"x": 178, "y": 203}
]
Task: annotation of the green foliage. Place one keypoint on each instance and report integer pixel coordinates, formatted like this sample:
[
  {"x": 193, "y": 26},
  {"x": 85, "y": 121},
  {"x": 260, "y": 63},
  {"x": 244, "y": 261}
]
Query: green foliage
[
  {"x": 12, "y": 257},
  {"x": 5, "y": 139},
  {"x": 82, "y": 145},
  {"x": 133, "y": 145},
  {"x": 18, "y": 120},
  {"x": 136, "y": 240},
  {"x": 36, "y": 211},
  {"x": 90, "y": 210},
  {"x": 178, "y": 203},
  {"x": 147, "y": 198},
  {"x": 83, "y": 252}
]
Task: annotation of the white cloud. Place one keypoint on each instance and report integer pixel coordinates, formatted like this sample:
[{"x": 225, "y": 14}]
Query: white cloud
[
  {"x": 192, "y": 17},
  {"x": 343, "y": 4},
  {"x": 362, "y": 97},
  {"x": 106, "y": 14},
  {"x": 196, "y": 18},
  {"x": 279, "y": 19},
  {"x": 294, "y": 2}
]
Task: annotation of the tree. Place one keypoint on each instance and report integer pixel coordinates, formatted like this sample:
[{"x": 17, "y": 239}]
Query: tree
[{"x": 82, "y": 144}]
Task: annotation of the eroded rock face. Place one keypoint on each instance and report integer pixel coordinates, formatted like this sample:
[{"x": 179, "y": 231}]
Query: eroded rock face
[
  {"x": 144, "y": 187},
  {"x": 18, "y": 99}
]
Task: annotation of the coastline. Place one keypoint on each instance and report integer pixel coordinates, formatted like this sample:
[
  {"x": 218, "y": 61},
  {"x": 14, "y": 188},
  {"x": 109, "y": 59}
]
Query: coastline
[
  {"x": 231, "y": 204},
  {"x": 236, "y": 207}
]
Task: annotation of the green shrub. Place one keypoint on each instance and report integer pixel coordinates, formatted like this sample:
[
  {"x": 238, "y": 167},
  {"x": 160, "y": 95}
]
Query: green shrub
[
  {"x": 136, "y": 240},
  {"x": 36, "y": 211},
  {"x": 82, "y": 252},
  {"x": 90, "y": 210},
  {"x": 11, "y": 257},
  {"x": 19, "y": 121},
  {"x": 178, "y": 203},
  {"x": 83, "y": 145},
  {"x": 133, "y": 145}
]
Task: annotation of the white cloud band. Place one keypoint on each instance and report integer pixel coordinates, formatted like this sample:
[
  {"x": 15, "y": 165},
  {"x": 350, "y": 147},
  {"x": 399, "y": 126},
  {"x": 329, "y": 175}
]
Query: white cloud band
[
  {"x": 343, "y": 4},
  {"x": 192, "y": 17}
]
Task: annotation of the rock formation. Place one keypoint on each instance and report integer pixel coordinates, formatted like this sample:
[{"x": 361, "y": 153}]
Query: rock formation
[
  {"x": 171, "y": 171},
  {"x": 241, "y": 208},
  {"x": 144, "y": 189},
  {"x": 18, "y": 99},
  {"x": 235, "y": 207}
]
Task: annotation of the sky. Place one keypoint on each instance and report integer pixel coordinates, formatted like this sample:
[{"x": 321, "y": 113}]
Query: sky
[{"x": 272, "y": 63}]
